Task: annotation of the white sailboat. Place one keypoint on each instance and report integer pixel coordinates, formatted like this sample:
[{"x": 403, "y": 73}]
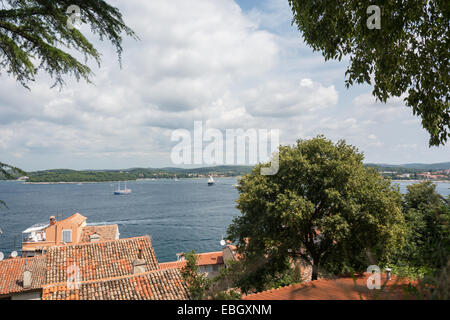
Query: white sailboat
[
  {"x": 211, "y": 181},
  {"x": 122, "y": 191}
]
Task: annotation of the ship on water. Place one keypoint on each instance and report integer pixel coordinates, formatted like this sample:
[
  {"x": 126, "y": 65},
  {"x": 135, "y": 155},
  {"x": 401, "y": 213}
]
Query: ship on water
[
  {"x": 211, "y": 181},
  {"x": 122, "y": 191}
]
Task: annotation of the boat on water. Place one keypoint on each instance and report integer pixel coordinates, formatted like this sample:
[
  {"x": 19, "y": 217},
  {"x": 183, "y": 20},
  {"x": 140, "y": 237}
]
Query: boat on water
[
  {"x": 122, "y": 191},
  {"x": 211, "y": 181}
]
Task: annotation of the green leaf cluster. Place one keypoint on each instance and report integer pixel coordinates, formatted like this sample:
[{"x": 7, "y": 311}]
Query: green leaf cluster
[
  {"x": 197, "y": 283},
  {"x": 408, "y": 57},
  {"x": 34, "y": 35}
]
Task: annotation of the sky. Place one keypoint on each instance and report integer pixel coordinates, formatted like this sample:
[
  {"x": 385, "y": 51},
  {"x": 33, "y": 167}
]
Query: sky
[{"x": 230, "y": 64}]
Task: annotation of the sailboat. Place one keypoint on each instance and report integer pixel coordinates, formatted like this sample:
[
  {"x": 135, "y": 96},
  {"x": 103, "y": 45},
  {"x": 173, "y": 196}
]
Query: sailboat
[
  {"x": 122, "y": 191},
  {"x": 211, "y": 181}
]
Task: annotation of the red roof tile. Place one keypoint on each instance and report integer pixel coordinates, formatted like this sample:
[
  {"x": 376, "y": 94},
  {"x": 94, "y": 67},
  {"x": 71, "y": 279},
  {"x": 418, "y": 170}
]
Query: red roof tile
[
  {"x": 11, "y": 274},
  {"x": 338, "y": 289},
  {"x": 203, "y": 259},
  {"x": 105, "y": 232},
  {"x": 155, "y": 285},
  {"x": 173, "y": 264},
  {"x": 75, "y": 218},
  {"x": 210, "y": 258},
  {"x": 99, "y": 260}
]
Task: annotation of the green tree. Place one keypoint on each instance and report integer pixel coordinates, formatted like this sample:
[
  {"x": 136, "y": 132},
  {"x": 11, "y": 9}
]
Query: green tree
[
  {"x": 33, "y": 34},
  {"x": 427, "y": 216},
  {"x": 407, "y": 56},
  {"x": 197, "y": 283},
  {"x": 323, "y": 205},
  {"x": 426, "y": 253}
]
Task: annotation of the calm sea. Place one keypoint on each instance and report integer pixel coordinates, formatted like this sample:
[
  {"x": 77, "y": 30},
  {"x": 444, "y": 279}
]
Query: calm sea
[{"x": 178, "y": 215}]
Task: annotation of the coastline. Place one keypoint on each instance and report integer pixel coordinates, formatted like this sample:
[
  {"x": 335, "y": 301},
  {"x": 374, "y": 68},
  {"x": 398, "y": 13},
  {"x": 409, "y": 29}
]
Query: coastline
[
  {"x": 150, "y": 179},
  {"x": 110, "y": 181}
]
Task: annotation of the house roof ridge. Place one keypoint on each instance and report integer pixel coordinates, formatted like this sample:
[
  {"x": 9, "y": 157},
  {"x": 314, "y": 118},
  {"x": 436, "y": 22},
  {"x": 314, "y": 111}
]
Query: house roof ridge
[
  {"x": 76, "y": 214},
  {"x": 100, "y": 242},
  {"x": 58, "y": 284}
]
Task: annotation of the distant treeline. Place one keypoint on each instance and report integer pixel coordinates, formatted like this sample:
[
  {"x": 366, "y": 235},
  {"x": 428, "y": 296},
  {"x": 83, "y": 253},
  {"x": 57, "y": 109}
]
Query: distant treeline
[
  {"x": 66, "y": 175},
  {"x": 411, "y": 167},
  {"x": 398, "y": 170}
]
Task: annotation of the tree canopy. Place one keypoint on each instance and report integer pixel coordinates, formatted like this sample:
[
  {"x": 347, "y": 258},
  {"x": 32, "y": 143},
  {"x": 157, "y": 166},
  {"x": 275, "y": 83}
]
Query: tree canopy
[
  {"x": 408, "y": 56},
  {"x": 427, "y": 216},
  {"x": 34, "y": 35},
  {"x": 323, "y": 205}
]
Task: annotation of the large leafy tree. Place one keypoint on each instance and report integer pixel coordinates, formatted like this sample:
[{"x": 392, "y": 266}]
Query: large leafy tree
[
  {"x": 407, "y": 56},
  {"x": 34, "y": 35},
  {"x": 323, "y": 205}
]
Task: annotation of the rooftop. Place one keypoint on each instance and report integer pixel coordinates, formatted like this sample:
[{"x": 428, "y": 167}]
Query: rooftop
[
  {"x": 345, "y": 288},
  {"x": 105, "y": 232},
  {"x": 99, "y": 260},
  {"x": 11, "y": 271},
  {"x": 154, "y": 285},
  {"x": 76, "y": 218},
  {"x": 203, "y": 259}
]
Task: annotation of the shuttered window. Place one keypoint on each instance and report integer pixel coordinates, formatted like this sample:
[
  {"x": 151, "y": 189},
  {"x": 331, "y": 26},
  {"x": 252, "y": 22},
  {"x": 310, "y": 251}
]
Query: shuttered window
[{"x": 67, "y": 236}]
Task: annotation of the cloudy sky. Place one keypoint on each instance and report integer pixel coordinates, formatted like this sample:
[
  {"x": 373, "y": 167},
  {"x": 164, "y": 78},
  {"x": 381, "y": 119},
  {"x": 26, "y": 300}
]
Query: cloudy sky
[{"x": 231, "y": 64}]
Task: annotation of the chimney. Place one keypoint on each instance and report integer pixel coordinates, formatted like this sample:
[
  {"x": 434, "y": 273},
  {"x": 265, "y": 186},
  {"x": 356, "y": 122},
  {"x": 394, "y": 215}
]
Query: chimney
[
  {"x": 388, "y": 273},
  {"x": 180, "y": 256},
  {"x": 139, "y": 264},
  {"x": 26, "y": 277},
  {"x": 52, "y": 220},
  {"x": 94, "y": 237}
]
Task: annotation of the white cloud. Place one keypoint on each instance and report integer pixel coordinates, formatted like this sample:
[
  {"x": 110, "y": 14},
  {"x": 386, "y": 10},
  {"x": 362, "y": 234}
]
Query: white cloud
[
  {"x": 205, "y": 60},
  {"x": 283, "y": 98}
]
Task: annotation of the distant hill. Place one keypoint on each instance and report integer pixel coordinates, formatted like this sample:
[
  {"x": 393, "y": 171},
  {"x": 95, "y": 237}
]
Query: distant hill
[
  {"x": 423, "y": 166},
  {"x": 417, "y": 166},
  {"x": 67, "y": 175}
]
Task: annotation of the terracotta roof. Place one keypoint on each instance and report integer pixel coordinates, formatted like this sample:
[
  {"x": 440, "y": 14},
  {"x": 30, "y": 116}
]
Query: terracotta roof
[
  {"x": 106, "y": 232},
  {"x": 203, "y": 259},
  {"x": 339, "y": 289},
  {"x": 99, "y": 260},
  {"x": 75, "y": 218},
  {"x": 11, "y": 274},
  {"x": 173, "y": 264},
  {"x": 155, "y": 285},
  {"x": 210, "y": 258}
]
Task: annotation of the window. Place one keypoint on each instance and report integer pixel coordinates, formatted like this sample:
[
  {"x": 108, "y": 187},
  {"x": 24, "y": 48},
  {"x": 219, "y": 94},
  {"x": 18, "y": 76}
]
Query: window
[{"x": 67, "y": 236}]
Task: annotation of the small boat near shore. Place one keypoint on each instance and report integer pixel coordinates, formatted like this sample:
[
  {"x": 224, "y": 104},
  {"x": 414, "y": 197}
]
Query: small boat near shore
[{"x": 211, "y": 181}]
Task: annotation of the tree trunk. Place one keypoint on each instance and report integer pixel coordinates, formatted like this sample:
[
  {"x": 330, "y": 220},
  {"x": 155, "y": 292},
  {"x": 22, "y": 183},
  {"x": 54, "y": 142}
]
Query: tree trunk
[{"x": 315, "y": 269}]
